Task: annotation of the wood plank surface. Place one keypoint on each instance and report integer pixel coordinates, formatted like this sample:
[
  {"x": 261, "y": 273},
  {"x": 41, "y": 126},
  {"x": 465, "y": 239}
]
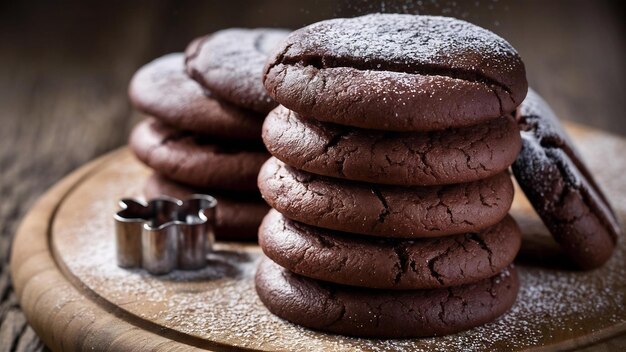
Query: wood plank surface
[{"x": 64, "y": 67}]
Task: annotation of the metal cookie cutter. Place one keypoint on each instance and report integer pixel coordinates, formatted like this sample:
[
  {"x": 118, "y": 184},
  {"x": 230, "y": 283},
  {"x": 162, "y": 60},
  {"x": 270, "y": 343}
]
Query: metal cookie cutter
[{"x": 165, "y": 234}]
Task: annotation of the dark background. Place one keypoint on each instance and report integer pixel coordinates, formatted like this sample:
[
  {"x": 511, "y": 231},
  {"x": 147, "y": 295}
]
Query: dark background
[{"x": 64, "y": 67}]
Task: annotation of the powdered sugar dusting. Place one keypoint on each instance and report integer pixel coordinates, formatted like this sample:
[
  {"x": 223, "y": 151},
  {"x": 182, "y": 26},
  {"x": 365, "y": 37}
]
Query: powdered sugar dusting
[
  {"x": 219, "y": 303},
  {"x": 456, "y": 8},
  {"x": 407, "y": 41}
]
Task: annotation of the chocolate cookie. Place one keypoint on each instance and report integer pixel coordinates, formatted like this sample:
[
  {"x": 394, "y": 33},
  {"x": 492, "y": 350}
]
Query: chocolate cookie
[
  {"x": 415, "y": 158},
  {"x": 383, "y": 313},
  {"x": 237, "y": 216},
  {"x": 230, "y": 63},
  {"x": 387, "y": 211},
  {"x": 195, "y": 159},
  {"x": 389, "y": 264},
  {"x": 162, "y": 89},
  {"x": 397, "y": 72},
  {"x": 561, "y": 189}
]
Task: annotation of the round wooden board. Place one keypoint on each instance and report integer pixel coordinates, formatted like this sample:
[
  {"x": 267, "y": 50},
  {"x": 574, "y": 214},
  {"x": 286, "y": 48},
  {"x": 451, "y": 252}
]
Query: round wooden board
[{"x": 76, "y": 298}]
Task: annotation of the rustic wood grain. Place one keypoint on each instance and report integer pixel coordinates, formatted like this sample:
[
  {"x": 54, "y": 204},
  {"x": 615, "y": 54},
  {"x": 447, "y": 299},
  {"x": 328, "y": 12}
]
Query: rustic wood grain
[
  {"x": 58, "y": 112},
  {"x": 64, "y": 67}
]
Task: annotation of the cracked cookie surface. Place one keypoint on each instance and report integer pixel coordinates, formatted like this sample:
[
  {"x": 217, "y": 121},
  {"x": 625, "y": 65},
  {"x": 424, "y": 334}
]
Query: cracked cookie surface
[
  {"x": 413, "y": 158},
  {"x": 197, "y": 160},
  {"x": 383, "y": 313},
  {"x": 162, "y": 89},
  {"x": 561, "y": 188},
  {"x": 386, "y": 211},
  {"x": 237, "y": 216},
  {"x": 230, "y": 64},
  {"x": 389, "y": 264},
  {"x": 397, "y": 72}
]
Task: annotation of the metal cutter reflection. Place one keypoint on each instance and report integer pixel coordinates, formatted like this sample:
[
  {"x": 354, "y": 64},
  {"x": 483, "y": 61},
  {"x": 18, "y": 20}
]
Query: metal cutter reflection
[{"x": 165, "y": 234}]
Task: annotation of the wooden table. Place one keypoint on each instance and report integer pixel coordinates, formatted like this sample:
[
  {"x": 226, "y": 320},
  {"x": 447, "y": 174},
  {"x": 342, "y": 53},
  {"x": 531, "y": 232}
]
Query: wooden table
[{"x": 65, "y": 68}]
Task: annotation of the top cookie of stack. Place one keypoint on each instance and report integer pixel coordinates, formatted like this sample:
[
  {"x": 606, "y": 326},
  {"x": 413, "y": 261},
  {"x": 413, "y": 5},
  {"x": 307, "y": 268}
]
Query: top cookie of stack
[
  {"x": 397, "y": 73},
  {"x": 391, "y": 149},
  {"x": 206, "y": 110}
]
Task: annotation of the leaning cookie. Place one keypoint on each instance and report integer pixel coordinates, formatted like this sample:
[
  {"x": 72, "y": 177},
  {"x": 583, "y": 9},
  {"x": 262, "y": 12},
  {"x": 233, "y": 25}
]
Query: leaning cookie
[
  {"x": 230, "y": 63},
  {"x": 389, "y": 264},
  {"x": 385, "y": 211},
  {"x": 561, "y": 189},
  {"x": 383, "y": 313},
  {"x": 414, "y": 158},
  {"x": 397, "y": 72},
  {"x": 162, "y": 89},
  {"x": 237, "y": 217},
  {"x": 194, "y": 159}
]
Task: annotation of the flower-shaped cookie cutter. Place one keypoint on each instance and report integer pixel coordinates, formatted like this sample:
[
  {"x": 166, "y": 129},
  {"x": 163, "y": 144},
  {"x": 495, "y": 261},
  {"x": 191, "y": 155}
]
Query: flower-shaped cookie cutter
[{"x": 165, "y": 234}]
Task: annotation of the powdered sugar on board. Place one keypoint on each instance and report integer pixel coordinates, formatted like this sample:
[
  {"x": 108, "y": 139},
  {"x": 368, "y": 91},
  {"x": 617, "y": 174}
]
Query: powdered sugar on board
[{"x": 219, "y": 303}]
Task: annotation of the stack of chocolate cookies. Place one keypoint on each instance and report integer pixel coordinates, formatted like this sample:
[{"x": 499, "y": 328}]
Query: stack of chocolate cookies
[
  {"x": 203, "y": 133},
  {"x": 389, "y": 177}
]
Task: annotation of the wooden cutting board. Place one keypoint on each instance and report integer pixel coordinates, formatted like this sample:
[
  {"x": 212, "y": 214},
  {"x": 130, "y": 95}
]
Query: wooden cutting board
[{"x": 76, "y": 298}]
